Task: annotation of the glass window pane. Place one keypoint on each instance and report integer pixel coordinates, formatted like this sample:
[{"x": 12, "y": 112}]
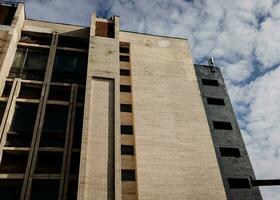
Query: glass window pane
[
  {"x": 19, "y": 58},
  {"x": 36, "y": 60}
]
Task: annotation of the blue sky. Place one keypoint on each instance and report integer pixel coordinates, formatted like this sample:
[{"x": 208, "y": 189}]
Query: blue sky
[{"x": 242, "y": 36}]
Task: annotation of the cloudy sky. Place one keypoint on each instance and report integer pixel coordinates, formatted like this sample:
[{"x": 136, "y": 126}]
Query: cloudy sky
[{"x": 242, "y": 35}]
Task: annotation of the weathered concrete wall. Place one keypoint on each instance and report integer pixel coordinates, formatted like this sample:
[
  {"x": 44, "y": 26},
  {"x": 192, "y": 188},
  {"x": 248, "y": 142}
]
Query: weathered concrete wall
[{"x": 175, "y": 158}]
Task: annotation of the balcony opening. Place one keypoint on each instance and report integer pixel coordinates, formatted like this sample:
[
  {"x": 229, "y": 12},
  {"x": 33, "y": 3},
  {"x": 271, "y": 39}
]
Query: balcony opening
[
  {"x": 210, "y": 82},
  {"x": 73, "y": 42},
  {"x": 127, "y": 129},
  {"x": 14, "y": 161},
  {"x": 30, "y": 91},
  {"x": 127, "y": 150},
  {"x": 7, "y": 89},
  {"x": 59, "y": 93},
  {"x": 128, "y": 175},
  {"x": 44, "y": 189},
  {"x": 215, "y": 101},
  {"x": 7, "y": 13},
  {"x": 36, "y": 38},
  {"x": 21, "y": 129},
  {"x": 105, "y": 29},
  {"x": 29, "y": 63},
  {"x": 49, "y": 162},
  {"x": 124, "y": 72},
  {"x": 70, "y": 67},
  {"x": 126, "y": 108},
  {"x": 54, "y": 128},
  {"x": 230, "y": 152},
  {"x": 239, "y": 183},
  {"x": 222, "y": 125},
  {"x": 10, "y": 189},
  {"x": 125, "y": 88}
]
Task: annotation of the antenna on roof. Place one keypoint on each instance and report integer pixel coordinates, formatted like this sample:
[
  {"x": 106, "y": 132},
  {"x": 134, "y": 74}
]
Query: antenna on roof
[{"x": 211, "y": 64}]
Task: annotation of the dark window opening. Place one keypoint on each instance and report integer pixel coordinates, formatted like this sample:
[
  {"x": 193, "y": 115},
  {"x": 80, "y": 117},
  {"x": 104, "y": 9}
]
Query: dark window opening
[
  {"x": 126, "y": 108},
  {"x": 36, "y": 38},
  {"x": 125, "y": 88},
  {"x": 73, "y": 42},
  {"x": 70, "y": 67},
  {"x": 18, "y": 139},
  {"x": 54, "y": 128},
  {"x": 7, "y": 14},
  {"x": 30, "y": 91},
  {"x": 75, "y": 163},
  {"x": 29, "y": 64},
  {"x": 2, "y": 110},
  {"x": 72, "y": 190},
  {"x": 44, "y": 189},
  {"x": 222, "y": 125},
  {"x": 78, "y": 127},
  {"x": 105, "y": 29},
  {"x": 210, "y": 82},
  {"x": 81, "y": 94},
  {"x": 14, "y": 161},
  {"x": 127, "y": 150},
  {"x": 124, "y": 72},
  {"x": 127, "y": 129},
  {"x": 10, "y": 189},
  {"x": 59, "y": 93},
  {"x": 124, "y": 49},
  {"x": 239, "y": 183},
  {"x": 230, "y": 152},
  {"x": 128, "y": 175},
  {"x": 215, "y": 101},
  {"x": 7, "y": 89},
  {"x": 49, "y": 162},
  {"x": 124, "y": 58}
]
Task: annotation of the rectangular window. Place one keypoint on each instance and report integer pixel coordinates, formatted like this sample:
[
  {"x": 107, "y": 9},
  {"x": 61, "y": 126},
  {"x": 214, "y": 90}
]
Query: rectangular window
[
  {"x": 124, "y": 49},
  {"x": 2, "y": 110},
  {"x": 7, "y": 15},
  {"x": 222, "y": 125},
  {"x": 14, "y": 161},
  {"x": 124, "y": 58},
  {"x": 239, "y": 183},
  {"x": 49, "y": 162},
  {"x": 36, "y": 38},
  {"x": 105, "y": 29},
  {"x": 127, "y": 150},
  {"x": 30, "y": 91},
  {"x": 124, "y": 72},
  {"x": 127, "y": 129},
  {"x": 78, "y": 127},
  {"x": 10, "y": 188},
  {"x": 128, "y": 175},
  {"x": 126, "y": 108},
  {"x": 59, "y": 93},
  {"x": 230, "y": 152},
  {"x": 44, "y": 189},
  {"x": 215, "y": 101},
  {"x": 7, "y": 89},
  {"x": 73, "y": 42},
  {"x": 125, "y": 88},
  {"x": 210, "y": 82}
]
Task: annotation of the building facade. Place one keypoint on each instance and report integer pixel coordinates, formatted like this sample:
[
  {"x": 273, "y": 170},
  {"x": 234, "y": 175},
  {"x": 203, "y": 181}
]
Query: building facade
[{"x": 99, "y": 113}]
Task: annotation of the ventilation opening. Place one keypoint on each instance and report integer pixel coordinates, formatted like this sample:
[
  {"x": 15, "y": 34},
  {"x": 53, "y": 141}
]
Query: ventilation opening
[
  {"x": 59, "y": 93},
  {"x": 127, "y": 150},
  {"x": 78, "y": 127},
  {"x": 127, "y": 129},
  {"x": 44, "y": 189},
  {"x": 105, "y": 29},
  {"x": 10, "y": 189},
  {"x": 126, "y": 108},
  {"x": 128, "y": 175},
  {"x": 222, "y": 125},
  {"x": 75, "y": 163},
  {"x": 230, "y": 152},
  {"x": 54, "y": 128},
  {"x": 2, "y": 110},
  {"x": 36, "y": 38},
  {"x": 215, "y": 101},
  {"x": 70, "y": 67},
  {"x": 30, "y": 91},
  {"x": 7, "y": 14},
  {"x": 239, "y": 183},
  {"x": 210, "y": 82},
  {"x": 125, "y": 88},
  {"x": 124, "y": 58},
  {"x": 21, "y": 129},
  {"x": 7, "y": 89},
  {"x": 14, "y": 161},
  {"x": 73, "y": 42},
  {"x": 49, "y": 162},
  {"x": 124, "y": 72}
]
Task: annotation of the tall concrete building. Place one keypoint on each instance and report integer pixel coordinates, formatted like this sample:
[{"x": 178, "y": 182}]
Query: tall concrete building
[{"x": 96, "y": 113}]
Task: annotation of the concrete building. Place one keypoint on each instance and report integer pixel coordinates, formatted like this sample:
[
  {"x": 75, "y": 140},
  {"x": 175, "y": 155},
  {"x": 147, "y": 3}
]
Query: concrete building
[{"x": 99, "y": 113}]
